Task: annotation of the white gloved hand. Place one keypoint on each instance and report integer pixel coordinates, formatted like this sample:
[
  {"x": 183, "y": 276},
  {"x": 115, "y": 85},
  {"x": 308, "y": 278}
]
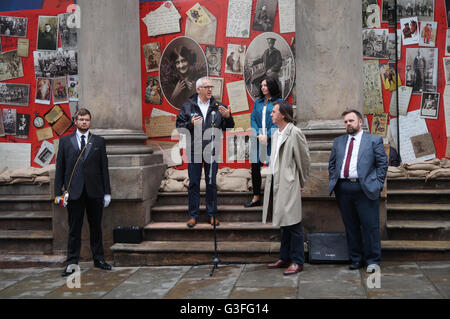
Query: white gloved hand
[{"x": 106, "y": 200}]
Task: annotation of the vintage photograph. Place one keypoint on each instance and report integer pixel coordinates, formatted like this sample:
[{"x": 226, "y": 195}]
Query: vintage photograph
[
  {"x": 22, "y": 125},
  {"x": 429, "y": 107},
  {"x": 73, "y": 87},
  {"x": 428, "y": 32},
  {"x": 238, "y": 146},
  {"x": 217, "y": 91},
  {"x": 183, "y": 62},
  {"x": 153, "y": 94},
  {"x": 447, "y": 12},
  {"x": 365, "y": 14},
  {"x": 392, "y": 48},
  {"x": 10, "y": 65},
  {"x": 447, "y": 70},
  {"x": 422, "y": 9},
  {"x": 43, "y": 91},
  {"x": 59, "y": 89},
  {"x": 373, "y": 99},
  {"x": 152, "y": 56},
  {"x": 387, "y": 12},
  {"x": 68, "y": 35},
  {"x": 387, "y": 73},
  {"x": 2, "y": 127},
  {"x": 45, "y": 154},
  {"x": 375, "y": 43},
  {"x": 47, "y": 33},
  {"x": 13, "y": 26},
  {"x": 235, "y": 59},
  {"x": 9, "y": 121},
  {"x": 264, "y": 15},
  {"x": 269, "y": 55},
  {"x": 14, "y": 94},
  {"x": 410, "y": 30},
  {"x": 421, "y": 69},
  {"x": 54, "y": 64},
  {"x": 214, "y": 58},
  {"x": 423, "y": 145}
]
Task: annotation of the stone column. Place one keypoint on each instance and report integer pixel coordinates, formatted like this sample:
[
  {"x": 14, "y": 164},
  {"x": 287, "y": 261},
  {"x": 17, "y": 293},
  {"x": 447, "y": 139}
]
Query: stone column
[
  {"x": 329, "y": 81},
  {"x": 109, "y": 71}
]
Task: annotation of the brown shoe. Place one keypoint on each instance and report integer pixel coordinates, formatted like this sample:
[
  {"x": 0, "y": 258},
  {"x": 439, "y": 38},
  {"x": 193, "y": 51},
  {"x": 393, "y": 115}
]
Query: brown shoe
[
  {"x": 278, "y": 264},
  {"x": 212, "y": 221},
  {"x": 293, "y": 269},
  {"x": 191, "y": 222}
]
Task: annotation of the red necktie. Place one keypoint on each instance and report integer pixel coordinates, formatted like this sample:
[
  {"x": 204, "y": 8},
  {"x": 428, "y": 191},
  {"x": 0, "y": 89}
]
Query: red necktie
[{"x": 349, "y": 157}]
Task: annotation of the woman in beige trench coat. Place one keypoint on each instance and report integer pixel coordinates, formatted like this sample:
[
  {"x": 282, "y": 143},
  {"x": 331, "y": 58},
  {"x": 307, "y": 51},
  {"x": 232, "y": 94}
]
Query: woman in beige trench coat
[{"x": 289, "y": 167}]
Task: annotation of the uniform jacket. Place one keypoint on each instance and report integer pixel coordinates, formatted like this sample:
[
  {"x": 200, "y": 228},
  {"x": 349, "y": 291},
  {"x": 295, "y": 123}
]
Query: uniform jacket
[
  {"x": 291, "y": 170},
  {"x": 91, "y": 170},
  {"x": 372, "y": 163}
]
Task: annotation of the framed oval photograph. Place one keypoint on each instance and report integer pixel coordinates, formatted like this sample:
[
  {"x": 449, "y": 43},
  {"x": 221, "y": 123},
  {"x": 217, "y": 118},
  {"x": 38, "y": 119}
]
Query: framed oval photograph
[
  {"x": 269, "y": 55},
  {"x": 183, "y": 62}
]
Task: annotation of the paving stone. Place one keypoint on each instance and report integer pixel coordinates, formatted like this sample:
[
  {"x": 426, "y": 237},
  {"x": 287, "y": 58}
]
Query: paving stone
[
  {"x": 402, "y": 281},
  {"x": 197, "y": 283},
  {"x": 264, "y": 293},
  {"x": 260, "y": 276},
  {"x": 439, "y": 274},
  {"x": 37, "y": 285},
  {"x": 9, "y": 277},
  {"x": 330, "y": 281},
  {"x": 95, "y": 283},
  {"x": 151, "y": 282}
]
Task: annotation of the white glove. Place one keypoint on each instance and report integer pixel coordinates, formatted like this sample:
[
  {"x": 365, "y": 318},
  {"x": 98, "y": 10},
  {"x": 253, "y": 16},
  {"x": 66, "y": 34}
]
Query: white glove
[{"x": 106, "y": 200}]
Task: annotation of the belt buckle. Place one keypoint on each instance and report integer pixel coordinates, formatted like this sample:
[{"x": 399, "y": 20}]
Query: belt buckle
[{"x": 353, "y": 180}]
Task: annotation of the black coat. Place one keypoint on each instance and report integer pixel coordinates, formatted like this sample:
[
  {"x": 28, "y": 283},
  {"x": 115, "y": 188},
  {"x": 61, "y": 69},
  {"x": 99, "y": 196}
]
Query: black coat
[
  {"x": 191, "y": 107},
  {"x": 91, "y": 170}
]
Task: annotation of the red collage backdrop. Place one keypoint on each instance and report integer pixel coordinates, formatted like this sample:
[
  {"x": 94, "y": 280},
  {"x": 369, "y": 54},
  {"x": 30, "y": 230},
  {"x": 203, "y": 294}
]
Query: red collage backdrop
[
  {"x": 219, "y": 8},
  {"x": 435, "y": 127},
  {"x": 10, "y": 43}
]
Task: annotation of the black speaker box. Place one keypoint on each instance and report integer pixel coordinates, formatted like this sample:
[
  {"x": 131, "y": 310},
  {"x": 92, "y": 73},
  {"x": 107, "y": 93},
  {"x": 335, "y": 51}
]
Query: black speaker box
[
  {"x": 128, "y": 234},
  {"x": 327, "y": 248}
]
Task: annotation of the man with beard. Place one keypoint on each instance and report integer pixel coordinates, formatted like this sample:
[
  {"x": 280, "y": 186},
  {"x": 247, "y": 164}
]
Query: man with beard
[{"x": 357, "y": 170}]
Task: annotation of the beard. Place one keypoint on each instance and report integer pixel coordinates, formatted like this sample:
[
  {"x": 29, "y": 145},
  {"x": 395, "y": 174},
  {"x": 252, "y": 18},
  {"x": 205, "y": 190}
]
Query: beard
[{"x": 352, "y": 130}]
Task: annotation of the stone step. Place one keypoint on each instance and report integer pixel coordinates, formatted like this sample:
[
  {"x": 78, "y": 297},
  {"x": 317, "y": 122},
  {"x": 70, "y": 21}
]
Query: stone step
[
  {"x": 28, "y": 261},
  {"x": 418, "y": 229},
  {"x": 227, "y": 231},
  {"x": 418, "y": 192},
  {"x": 192, "y": 252},
  {"x": 223, "y": 198},
  {"x": 415, "y": 250},
  {"x": 226, "y": 213},
  {"x": 417, "y": 183},
  {"x": 23, "y": 220},
  {"x": 412, "y": 207},
  {"x": 33, "y": 242},
  {"x": 25, "y": 202}
]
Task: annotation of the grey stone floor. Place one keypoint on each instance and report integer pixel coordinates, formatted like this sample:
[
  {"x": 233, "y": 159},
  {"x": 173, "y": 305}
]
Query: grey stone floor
[{"x": 405, "y": 280}]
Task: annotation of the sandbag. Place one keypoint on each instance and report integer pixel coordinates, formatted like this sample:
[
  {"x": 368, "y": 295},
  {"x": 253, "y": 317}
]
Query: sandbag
[
  {"x": 442, "y": 172},
  {"x": 42, "y": 180},
  {"x": 176, "y": 174},
  {"x": 44, "y": 171},
  {"x": 172, "y": 185},
  {"x": 421, "y": 166},
  {"x": 445, "y": 163},
  {"x": 417, "y": 173},
  {"x": 240, "y": 172},
  {"x": 22, "y": 172},
  {"x": 202, "y": 184},
  {"x": 233, "y": 184},
  {"x": 22, "y": 180},
  {"x": 5, "y": 177}
]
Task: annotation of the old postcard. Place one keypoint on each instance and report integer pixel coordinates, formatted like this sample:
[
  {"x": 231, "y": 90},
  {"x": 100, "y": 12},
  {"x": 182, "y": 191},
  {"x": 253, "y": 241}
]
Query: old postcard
[
  {"x": 73, "y": 87},
  {"x": 379, "y": 124},
  {"x": 44, "y": 133},
  {"x": 153, "y": 94},
  {"x": 218, "y": 88},
  {"x": 237, "y": 96},
  {"x": 239, "y": 17},
  {"x": 43, "y": 90},
  {"x": 14, "y": 94},
  {"x": 387, "y": 73},
  {"x": 241, "y": 123},
  {"x": 235, "y": 59},
  {"x": 13, "y": 26},
  {"x": 214, "y": 58},
  {"x": 264, "y": 16},
  {"x": 423, "y": 145},
  {"x": 164, "y": 20},
  {"x": 22, "y": 125},
  {"x": 45, "y": 154},
  {"x": 373, "y": 100},
  {"x": 421, "y": 71},
  {"x": 160, "y": 126},
  {"x": 12, "y": 65},
  {"x": 375, "y": 43},
  {"x": 410, "y": 30},
  {"x": 152, "y": 56},
  {"x": 47, "y": 34},
  {"x": 404, "y": 96},
  {"x": 429, "y": 108},
  {"x": 428, "y": 31},
  {"x": 69, "y": 37},
  {"x": 197, "y": 15},
  {"x": 205, "y": 34},
  {"x": 59, "y": 89},
  {"x": 23, "y": 46},
  {"x": 9, "y": 121},
  {"x": 286, "y": 12},
  {"x": 2, "y": 127}
]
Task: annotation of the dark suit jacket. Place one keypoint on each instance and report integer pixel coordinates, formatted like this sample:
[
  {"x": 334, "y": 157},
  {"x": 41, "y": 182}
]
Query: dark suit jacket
[
  {"x": 372, "y": 163},
  {"x": 92, "y": 169}
]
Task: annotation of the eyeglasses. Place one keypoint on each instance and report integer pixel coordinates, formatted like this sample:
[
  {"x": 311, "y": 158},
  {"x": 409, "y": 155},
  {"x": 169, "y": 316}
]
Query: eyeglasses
[{"x": 208, "y": 87}]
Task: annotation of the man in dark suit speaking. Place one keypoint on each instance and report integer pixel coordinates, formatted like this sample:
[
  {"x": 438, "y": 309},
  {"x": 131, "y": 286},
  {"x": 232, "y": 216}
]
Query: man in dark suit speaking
[
  {"x": 357, "y": 170},
  {"x": 89, "y": 187}
]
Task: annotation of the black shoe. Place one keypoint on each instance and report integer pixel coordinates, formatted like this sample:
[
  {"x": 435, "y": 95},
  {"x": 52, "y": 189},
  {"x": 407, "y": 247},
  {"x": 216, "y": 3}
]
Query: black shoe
[
  {"x": 66, "y": 272},
  {"x": 253, "y": 204},
  {"x": 102, "y": 265},
  {"x": 355, "y": 266}
]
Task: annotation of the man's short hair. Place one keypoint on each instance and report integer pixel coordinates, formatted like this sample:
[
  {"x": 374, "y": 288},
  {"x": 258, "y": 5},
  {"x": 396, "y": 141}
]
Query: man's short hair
[
  {"x": 82, "y": 112},
  {"x": 200, "y": 81},
  {"x": 358, "y": 114}
]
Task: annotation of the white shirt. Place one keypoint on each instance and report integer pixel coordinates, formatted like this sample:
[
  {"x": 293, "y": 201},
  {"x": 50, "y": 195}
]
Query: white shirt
[
  {"x": 78, "y": 134},
  {"x": 203, "y": 107},
  {"x": 264, "y": 119},
  {"x": 279, "y": 140},
  {"x": 352, "y": 172}
]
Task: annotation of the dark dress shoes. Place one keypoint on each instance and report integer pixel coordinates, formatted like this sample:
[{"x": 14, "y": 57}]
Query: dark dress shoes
[
  {"x": 355, "y": 266},
  {"x": 253, "y": 204},
  {"x": 102, "y": 264},
  {"x": 191, "y": 222},
  {"x": 293, "y": 269},
  {"x": 66, "y": 272},
  {"x": 212, "y": 222},
  {"x": 278, "y": 264}
]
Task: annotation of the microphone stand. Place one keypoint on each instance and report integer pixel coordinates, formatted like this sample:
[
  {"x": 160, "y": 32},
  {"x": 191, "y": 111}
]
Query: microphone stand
[{"x": 216, "y": 260}]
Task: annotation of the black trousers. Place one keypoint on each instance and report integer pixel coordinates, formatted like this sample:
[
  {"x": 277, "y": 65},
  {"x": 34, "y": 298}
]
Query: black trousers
[
  {"x": 361, "y": 217},
  {"x": 292, "y": 248},
  {"x": 256, "y": 178},
  {"x": 195, "y": 174},
  {"x": 94, "y": 210}
]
